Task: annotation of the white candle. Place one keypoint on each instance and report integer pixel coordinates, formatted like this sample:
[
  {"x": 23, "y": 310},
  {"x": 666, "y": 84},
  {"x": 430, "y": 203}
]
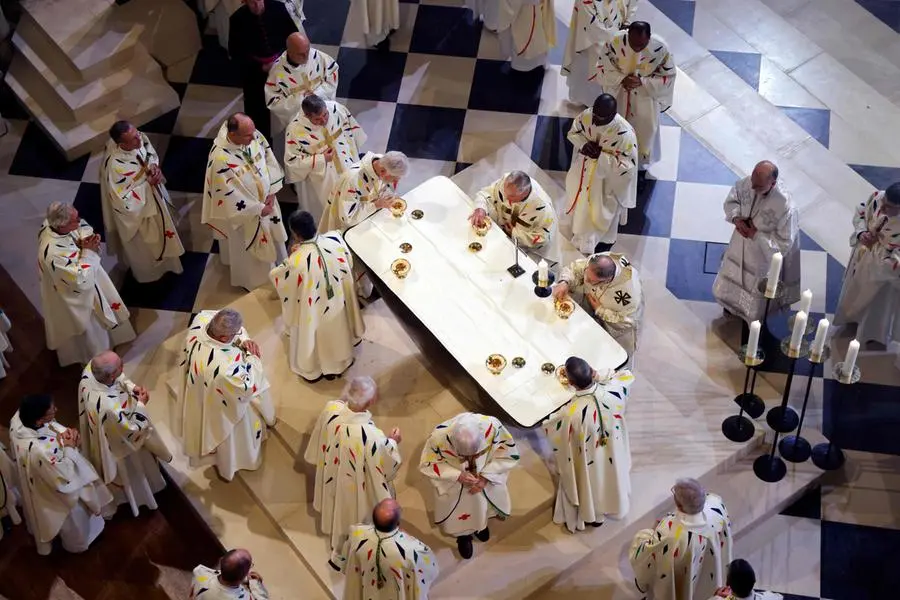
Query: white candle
[
  {"x": 850, "y": 360},
  {"x": 818, "y": 345},
  {"x": 799, "y": 330},
  {"x": 774, "y": 274},
  {"x": 805, "y": 301},
  {"x": 753, "y": 340},
  {"x": 543, "y": 276}
]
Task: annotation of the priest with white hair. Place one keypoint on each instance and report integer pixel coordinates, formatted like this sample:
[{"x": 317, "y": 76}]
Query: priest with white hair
[
  {"x": 242, "y": 178},
  {"x": 356, "y": 468},
  {"x": 593, "y": 24},
  {"x": 468, "y": 459},
  {"x": 322, "y": 143},
  {"x": 62, "y": 494},
  {"x": 136, "y": 217},
  {"x": 870, "y": 296},
  {"x": 118, "y": 436},
  {"x": 526, "y": 28},
  {"x": 590, "y": 447},
  {"x": 685, "y": 555},
  {"x": 83, "y": 312},
  {"x": 299, "y": 72},
  {"x": 225, "y": 398},
  {"x": 601, "y": 185},
  {"x": 521, "y": 207}
]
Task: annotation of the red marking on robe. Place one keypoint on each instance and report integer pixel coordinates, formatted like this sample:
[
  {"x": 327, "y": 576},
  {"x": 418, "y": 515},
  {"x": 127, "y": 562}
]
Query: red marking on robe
[
  {"x": 436, "y": 470},
  {"x": 135, "y": 194},
  {"x": 85, "y": 266},
  {"x": 675, "y": 555},
  {"x": 580, "y": 185},
  {"x": 489, "y": 429},
  {"x": 464, "y": 517},
  {"x": 169, "y": 233},
  {"x": 299, "y": 280},
  {"x": 530, "y": 33},
  {"x": 336, "y": 460},
  {"x": 369, "y": 554},
  {"x": 115, "y": 306}
]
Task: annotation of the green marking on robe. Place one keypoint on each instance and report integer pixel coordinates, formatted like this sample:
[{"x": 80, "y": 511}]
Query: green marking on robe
[{"x": 329, "y": 291}]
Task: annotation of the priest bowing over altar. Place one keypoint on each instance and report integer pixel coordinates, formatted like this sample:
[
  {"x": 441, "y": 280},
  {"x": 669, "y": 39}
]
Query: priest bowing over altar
[
  {"x": 636, "y": 67},
  {"x": 322, "y": 143},
  {"x": 590, "y": 446},
  {"x": 318, "y": 301},
  {"x": 601, "y": 185},
  {"x": 136, "y": 217},
  {"x": 870, "y": 296},
  {"x": 299, "y": 72},
  {"x": 521, "y": 207},
  {"x": 526, "y": 28},
  {"x": 225, "y": 403},
  {"x": 242, "y": 178},
  {"x": 83, "y": 312}
]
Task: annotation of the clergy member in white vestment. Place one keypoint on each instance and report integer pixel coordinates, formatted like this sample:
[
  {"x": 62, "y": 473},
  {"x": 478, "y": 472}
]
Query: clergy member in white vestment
[
  {"x": 299, "y": 72},
  {"x": 468, "y": 459},
  {"x": 378, "y": 18},
  {"x": 739, "y": 584},
  {"x": 593, "y": 24},
  {"x": 118, "y": 436},
  {"x": 609, "y": 287},
  {"x": 521, "y": 207},
  {"x": 83, "y": 312},
  {"x": 5, "y": 344},
  {"x": 526, "y": 29},
  {"x": 226, "y": 403},
  {"x": 590, "y": 447},
  {"x": 232, "y": 580},
  {"x": 601, "y": 185},
  {"x": 318, "y": 301},
  {"x": 322, "y": 143},
  {"x": 765, "y": 222},
  {"x": 62, "y": 494},
  {"x": 637, "y": 68},
  {"x": 870, "y": 295},
  {"x": 357, "y": 464},
  {"x": 488, "y": 11},
  {"x": 9, "y": 487},
  {"x": 684, "y": 556},
  {"x": 242, "y": 178},
  {"x": 384, "y": 563},
  {"x": 136, "y": 219}
]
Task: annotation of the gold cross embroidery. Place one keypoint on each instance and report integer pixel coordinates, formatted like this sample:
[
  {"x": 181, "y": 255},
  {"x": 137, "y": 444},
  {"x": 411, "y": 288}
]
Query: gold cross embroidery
[
  {"x": 330, "y": 140},
  {"x": 307, "y": 84}
]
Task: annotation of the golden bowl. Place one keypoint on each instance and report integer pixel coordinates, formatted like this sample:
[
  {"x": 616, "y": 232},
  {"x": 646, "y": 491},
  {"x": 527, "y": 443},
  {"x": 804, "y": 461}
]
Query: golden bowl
[
  {"x": 398, "y": 207},
  {"x": 400, "y": 268},
  {"x": 417, "y": 214},
  {"x": 562, "y": 376},
  {"x": 518, "y": 362},
  {"x": 495, "y": 363},
  {"x": 483, "y": 230},
  {"x": 548, "y": 368},
  {"x": 475, "y": 246},
  {"x": 405, "y": 247},
  {"x": 564, "y": 308}
]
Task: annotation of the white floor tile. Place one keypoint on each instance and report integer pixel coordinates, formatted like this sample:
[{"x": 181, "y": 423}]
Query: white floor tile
[
  {"x": 670, "y": 145},
  {"x": 712, "y": 34},
  {"x": 485, "y": 132},
  {"x": 813, "y": 267},
  {"x": 778, "y": 88},
  {"x": 432, "y": 80},
  {"x": 868, "y": 494},
  {"x": 422, "y": 169},
  {"x": 204, "y": 109},
  {"x": 555, "y": 95},
  {"x": 785, "y": 553},
  {"x": 698, "y": 215},
  {"x": 375, "y": 118},
  {"x": 849, "y": 143}
]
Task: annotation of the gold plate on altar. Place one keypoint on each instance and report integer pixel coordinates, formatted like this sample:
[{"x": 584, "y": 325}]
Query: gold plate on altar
[
  {"x": 518, "y": 362},
  {"x": 405, "y": 247},
  {"x": 495, "y": 363},
  {"x": 398, "y": 207},
  {"x": 483, "y": 230},
  {"x": 475, "y": 246},
  {"x": 548, "y": 368},
  {"x": 562, "y": 376},
  {"x": 564, "y": 308},
  {"x": 417, "y": 214},
  {"x": 400, "y": 268}
]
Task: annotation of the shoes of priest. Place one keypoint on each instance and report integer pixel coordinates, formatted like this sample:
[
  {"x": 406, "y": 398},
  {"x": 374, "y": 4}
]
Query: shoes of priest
[
  {"x": 483, "y": 535},
  {"x": 464, "y": 545}
]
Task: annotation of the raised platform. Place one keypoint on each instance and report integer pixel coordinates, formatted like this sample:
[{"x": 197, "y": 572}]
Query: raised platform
[{"x": 674, "y": 419}]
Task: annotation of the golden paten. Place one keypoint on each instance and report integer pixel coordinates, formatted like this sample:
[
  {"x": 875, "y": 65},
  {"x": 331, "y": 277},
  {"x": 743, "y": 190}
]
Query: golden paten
[
  {"x": 398, "y": 207},
  {"x": 495, "y": 363},
  {"x": 405, "y": 247},
  {"x": 400, "y": 268}
]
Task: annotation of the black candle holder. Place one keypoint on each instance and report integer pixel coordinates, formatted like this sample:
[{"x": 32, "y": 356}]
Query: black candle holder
[
  {"x": 516, "y": 270},
  {"x": 542, "y": 292},
  {"x": 795, "y": 448},
  {"x": 739, "y": 428},
  {"x": 827, "y": 455}
]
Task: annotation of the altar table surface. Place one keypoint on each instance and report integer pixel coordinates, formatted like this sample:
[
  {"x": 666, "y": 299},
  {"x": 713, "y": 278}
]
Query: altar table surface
[{"x": 473, "y": 306}]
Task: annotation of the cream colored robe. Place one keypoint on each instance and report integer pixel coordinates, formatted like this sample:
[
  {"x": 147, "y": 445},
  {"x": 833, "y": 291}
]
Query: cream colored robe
[
  {"x": 685, "y": 557},
  {"x": 136, "y": 218},
  {"x": 119, "y": 439},
  {"x": 304, "y": 161},
  {"x": 599, "y": 192},
  {"x": 387, "y": 565},
  {"x": 377, "y": 17},
  {"x": 746, "y": 261},
  {"x": 205, "y": 585},
  {"x": 238, "y": 180},
  {"x": 527, "y": 32},
  {"x": 287, "y": 85},
  {"x": 531, "y": 221},
  {"x": 9, "y": 488},
  {"x": 593, "y": 457},
  {"x": 62, "y": 494},
  {"x": 870, "y": 295},
  {"x": 354, "y": 473},
  {"x": 456, "y": 510},
  {"x": 317, "y": 449},
  {"x": 641, "y": 106},
  {"x": 83, "y": 312},
  {"x": 319, "y": 306},
  {"x": 225, "y": 402},
  {"x": 594, "y": 22}
]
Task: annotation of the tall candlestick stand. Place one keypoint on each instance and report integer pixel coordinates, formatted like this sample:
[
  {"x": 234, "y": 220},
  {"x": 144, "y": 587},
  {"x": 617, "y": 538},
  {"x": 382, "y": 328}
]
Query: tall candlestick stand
[
  {"x": 795, "y": 448},
  {"x": 778, "y": 292},
  {"x": 810, "y": 324},
  {"x": 542, "y": 292},
  {"x": 739, "y": 428},
  {"x": 516, "y": 270},
  {"x": 827, "y": 456}
]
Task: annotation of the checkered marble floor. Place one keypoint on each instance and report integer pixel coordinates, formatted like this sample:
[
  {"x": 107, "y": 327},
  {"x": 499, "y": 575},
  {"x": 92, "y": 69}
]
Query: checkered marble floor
[{"x": 442, "y": 95}]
